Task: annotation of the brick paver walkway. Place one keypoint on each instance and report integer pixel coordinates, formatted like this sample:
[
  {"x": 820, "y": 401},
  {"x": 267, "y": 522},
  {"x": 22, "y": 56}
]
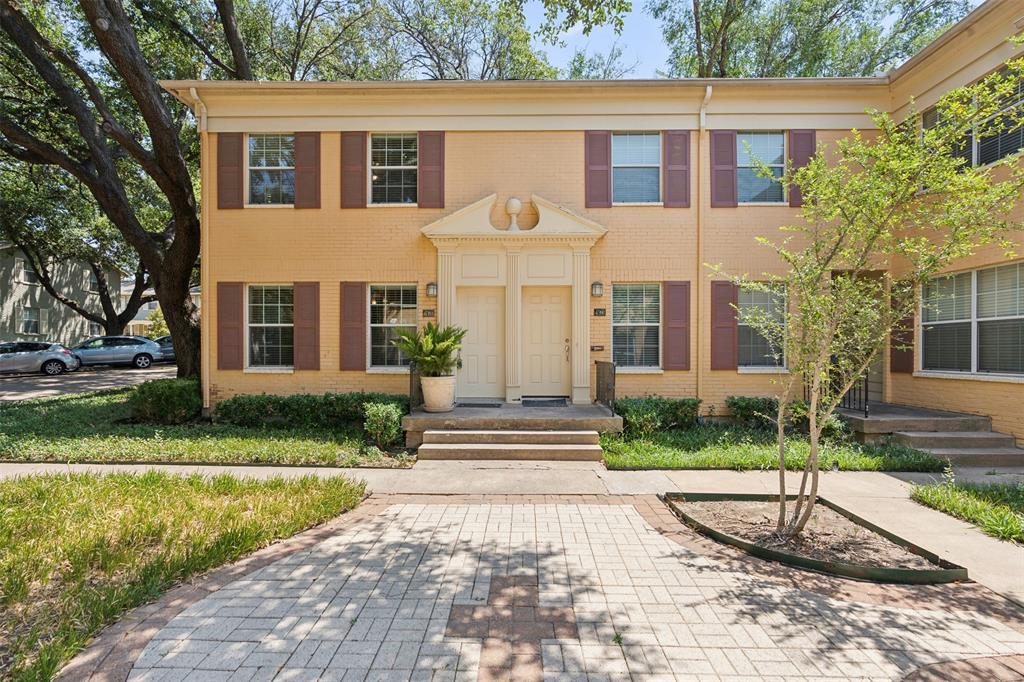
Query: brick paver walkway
[{"x": 449, "y": 591}]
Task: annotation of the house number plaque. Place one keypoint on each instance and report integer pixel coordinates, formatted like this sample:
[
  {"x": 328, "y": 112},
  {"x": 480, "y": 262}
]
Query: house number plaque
[
  {"x": 428, "y": 312},
  {"x": 599, "y": 312}
]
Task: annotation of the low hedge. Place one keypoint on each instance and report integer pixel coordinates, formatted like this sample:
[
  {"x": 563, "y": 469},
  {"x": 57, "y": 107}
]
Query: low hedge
[
  {"x": 166, "y": 401},
  {"x": 326, "y": 411},
  {"x": 759, "y": 412},
  {"x": 645, "y": 416}
]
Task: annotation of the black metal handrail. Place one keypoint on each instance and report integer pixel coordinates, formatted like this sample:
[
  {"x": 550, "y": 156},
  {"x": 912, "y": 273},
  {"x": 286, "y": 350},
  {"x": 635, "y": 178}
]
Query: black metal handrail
[
  {"x": 606, "y": 384},
  {"x": 855, "y": 399}
]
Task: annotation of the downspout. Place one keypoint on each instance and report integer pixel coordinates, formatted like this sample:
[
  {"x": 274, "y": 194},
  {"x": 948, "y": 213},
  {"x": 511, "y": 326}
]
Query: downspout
[
  {"x": 199, "y": 109},
  {"x": 697, "y": 288}
]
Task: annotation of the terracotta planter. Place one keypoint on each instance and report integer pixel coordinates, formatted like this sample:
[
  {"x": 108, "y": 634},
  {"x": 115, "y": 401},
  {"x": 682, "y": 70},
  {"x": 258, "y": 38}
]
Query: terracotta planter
[{"x": 438, "y": 393}]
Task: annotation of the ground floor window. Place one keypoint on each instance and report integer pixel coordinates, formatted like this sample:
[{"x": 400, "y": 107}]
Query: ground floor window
[
  {"x": 30, "y": 321},
  {"x": 95, "y": 329},
  {"x": 271, "y": 326},
  {"x": 755, "y": 349},
  {"x": 636, "y": 325},
  {"x": 392, "y": 310},
  {"x": 974, "y": 321}
]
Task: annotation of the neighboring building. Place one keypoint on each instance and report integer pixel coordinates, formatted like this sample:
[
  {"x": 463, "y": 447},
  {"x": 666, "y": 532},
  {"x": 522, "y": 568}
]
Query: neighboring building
[
  {"x": 139, "y": 325},
  {"x": 28, "y": 313},
  {"x": 336, "y": 214}
]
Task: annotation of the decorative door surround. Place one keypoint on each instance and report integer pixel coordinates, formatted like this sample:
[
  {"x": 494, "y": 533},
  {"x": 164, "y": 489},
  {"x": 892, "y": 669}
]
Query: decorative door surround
[{"x": 556, "y": 251}]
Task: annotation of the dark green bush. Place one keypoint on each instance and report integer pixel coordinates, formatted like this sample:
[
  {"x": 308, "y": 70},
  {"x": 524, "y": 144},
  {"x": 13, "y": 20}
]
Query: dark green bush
[
  {"x": 760, "y": 413},
  {"x": 383, "y": 423},
  {"x": 166, "y": 401},
  {"x": 327, "y": 411},
  {"x": 644, "y": 416}
]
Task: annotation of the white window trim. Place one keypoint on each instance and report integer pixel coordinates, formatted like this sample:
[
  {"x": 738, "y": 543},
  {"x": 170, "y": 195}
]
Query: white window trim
[
  {"x": 640, "y": 369},
  {"x": 661, "y": 170},
  {"x": 974, "y": 373},
  {"x": 370, "y": 167},
  {"x": 782, "y": 368},
  {"x": 39, "y": 321},
  {"x": 25, "y": 267},
  {"x": 785, "y": 157},
  {"x": 385, "y": 369},
  {"x": 265, "y": 369},
  {"x": 245, "y": 166}
]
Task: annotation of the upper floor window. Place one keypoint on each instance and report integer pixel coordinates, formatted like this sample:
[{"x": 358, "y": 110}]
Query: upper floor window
[
  {"x": 769, "y": 148},
  {"x": 636, "y": 325},
  {"x": 636, "y": 168},
  {"x": 271, "y": 326},
  {"x": 394, "y": 166},
  {"x": 755, "y": 349},
  {"x": 94, "y": 282},
  {"x": 271, "y": 169},
  {"x": 392, "y": 310},
  {"x": 964, "y": 148},
  {"x": 28, "y": 273}
]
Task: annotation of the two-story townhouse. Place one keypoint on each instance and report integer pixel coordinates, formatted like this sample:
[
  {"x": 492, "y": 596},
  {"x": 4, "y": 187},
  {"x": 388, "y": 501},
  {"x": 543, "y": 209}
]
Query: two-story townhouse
[
  {"x": 29, "y": 313},
  {"x": 560, "y": 223}
]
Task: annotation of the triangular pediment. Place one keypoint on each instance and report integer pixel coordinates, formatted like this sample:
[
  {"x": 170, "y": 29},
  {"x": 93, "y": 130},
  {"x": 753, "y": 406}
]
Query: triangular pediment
[{"x": 474, "y": 221}]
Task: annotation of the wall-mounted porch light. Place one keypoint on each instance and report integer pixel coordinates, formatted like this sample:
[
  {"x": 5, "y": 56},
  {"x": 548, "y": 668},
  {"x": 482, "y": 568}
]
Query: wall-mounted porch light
[
  {"x": 432, "y": 290},
  {"x": 597, "y": 289}
]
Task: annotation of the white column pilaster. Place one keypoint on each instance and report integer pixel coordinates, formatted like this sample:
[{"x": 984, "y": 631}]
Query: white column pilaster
[
  {"x": 581, "y": 325},
  {"x": 445, "y": 286},
  {"x": 513, "y": 325}
]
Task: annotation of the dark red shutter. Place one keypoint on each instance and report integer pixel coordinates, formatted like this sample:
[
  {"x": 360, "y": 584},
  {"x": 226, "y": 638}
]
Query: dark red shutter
[
  {"x": 675, "y": 327},
  {"x": 353, "y": 325},
  {"x": 230, "y": 320},
  {"x": 723, "y": 168},
  {"x": 430, "y": 179},
  {"x": 597, "y": 153},
  {"x": 353, "y": 169},
  {"x": 676, "y": 153},
  {"x": 802, "y": 144},
  {"x": 307, "y": 170},
  {"x": 901, "y": 346},
  {"x": 306, "y": 315},
  {"x": 724, "y": 347},
  {"x": 230, "y": 173}
]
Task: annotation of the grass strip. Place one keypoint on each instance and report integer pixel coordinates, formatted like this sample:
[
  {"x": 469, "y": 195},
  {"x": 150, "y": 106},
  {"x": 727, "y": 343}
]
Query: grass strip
[{"x": 995, "y": 508}]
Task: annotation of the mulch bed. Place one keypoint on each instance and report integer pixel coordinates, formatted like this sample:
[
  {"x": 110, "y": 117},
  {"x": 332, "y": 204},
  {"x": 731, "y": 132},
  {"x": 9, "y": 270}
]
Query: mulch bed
[{"x": 828, "y": 536}]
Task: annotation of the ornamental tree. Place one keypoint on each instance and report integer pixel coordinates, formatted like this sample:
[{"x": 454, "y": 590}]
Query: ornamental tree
[{"x": 883, "y": 214}]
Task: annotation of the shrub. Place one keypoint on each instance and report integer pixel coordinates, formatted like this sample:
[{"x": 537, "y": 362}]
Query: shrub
[
  {"x": 327, "y": 411},
  {"x": 383, "y": 423},
  {"x": 760, "y": 412},
  {"x": 644, "y": 416},
  {"x": 166, "y": 401}
]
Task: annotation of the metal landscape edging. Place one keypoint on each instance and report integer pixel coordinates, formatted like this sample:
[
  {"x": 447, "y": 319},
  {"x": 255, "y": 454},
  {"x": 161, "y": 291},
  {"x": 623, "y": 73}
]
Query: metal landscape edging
[{"x": 946, "y": 573}]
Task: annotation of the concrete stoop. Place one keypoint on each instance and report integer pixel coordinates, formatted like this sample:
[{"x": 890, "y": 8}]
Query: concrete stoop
[{"x": 510, "y": 444}]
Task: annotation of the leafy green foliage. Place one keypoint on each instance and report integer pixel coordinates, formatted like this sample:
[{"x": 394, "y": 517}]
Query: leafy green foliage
[
  {"x": 303, "y": 410},
  {"x": 760, "y": 412},
  {"x": 599, "y": 65},
  {"x": 715, "y": 445},
  {"x": 996, "y": 508},
  {"x": 78, "y": 550},
  {"x": 166, "y": 401},
  {"x": 432, "y": 350},
  {"x": 157, "y": 324},
  {"x": 383, "y": 423},
  {"x": 645, "y": 416}
]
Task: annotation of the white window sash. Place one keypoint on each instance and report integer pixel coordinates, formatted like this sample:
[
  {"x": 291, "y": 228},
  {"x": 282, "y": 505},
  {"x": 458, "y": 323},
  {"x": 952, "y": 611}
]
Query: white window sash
[
  {"x": 370, "y": 168},
  {"x": 638, "y": 324},
  {"x": 370, "y": 326},
  {"x": 248, "y": 325},
  {"x": 781, "y": 166},
  {"x": 640, "y": 165},
  {"x": 249, "y": 169}
]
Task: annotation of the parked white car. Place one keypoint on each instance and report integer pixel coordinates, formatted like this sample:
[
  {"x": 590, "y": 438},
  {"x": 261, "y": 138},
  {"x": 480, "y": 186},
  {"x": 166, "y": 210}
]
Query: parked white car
[{"x": 37, "y": 356}]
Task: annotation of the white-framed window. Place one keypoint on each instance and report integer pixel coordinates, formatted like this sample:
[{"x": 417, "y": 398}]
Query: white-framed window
[
  {"x": 394, "y": 168},
  {"x": 636, "y": 167},
  {"x": 392, "y": 310},
  {"x": 768, "y": 147},
  {"x": 974, "y": 321},
  {"x": 270, "y": 325},
  {"x": 95, "y": 329},
  {"x": 754, "y": 349},
  {"x": 30, "y": 321},
  {"x": 29, "y": 274},
  {"x": 271, "y": 162},
  {"x": 94, "y": 282},
  {"x": 636, "y": 325}
]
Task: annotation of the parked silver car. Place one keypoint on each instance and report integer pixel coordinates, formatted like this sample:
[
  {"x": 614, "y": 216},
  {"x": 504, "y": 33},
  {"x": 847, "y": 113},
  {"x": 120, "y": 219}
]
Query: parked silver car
[
  {"x": 137, "y": 351},
  {"x": 37, "y": 356}
]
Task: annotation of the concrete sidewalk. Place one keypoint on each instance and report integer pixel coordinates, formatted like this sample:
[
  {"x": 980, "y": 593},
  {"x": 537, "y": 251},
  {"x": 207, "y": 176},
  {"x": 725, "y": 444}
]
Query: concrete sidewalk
[{"x": 883, "y": 499}]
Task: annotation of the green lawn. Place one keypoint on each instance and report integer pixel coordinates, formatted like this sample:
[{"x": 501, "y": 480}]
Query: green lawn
[
  {"x": 996, "y": 508},
  {"x": 723, "y": 446},
  {"x": 76, "y": 551},
  {"x": 95, "y": 427}
]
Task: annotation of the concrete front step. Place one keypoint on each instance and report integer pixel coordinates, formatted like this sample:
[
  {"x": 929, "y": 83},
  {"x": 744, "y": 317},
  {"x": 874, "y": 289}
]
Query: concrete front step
[
  {"x": 491, "y": 437},
  {"x": 953, "y": 439},
  {"x": 532, "y": 451},
  {"x": 980, "y": 457}
]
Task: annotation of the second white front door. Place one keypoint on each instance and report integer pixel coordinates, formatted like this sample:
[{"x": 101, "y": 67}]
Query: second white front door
[
  {"x": 482, "y": 315},
  {"x": 547, "y": 319}
]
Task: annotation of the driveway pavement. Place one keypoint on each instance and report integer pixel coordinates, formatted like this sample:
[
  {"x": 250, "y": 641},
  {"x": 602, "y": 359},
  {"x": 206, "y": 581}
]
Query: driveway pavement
[
  {"x": 25, "y": 386},
  {"x": 567, "y": 588}
]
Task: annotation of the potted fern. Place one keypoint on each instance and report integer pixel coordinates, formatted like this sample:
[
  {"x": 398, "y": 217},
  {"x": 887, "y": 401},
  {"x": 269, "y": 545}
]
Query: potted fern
[{"x": 435, "y": 353}]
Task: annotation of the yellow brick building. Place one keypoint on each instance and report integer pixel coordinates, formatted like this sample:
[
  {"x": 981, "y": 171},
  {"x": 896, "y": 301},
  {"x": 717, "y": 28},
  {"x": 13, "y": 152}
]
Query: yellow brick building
[{"x": 561, "y": 222}]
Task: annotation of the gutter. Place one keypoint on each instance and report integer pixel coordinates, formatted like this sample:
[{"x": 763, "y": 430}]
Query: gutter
[
  {"x": 703, "y": 120},
  {"x": 199, "y": 108}
]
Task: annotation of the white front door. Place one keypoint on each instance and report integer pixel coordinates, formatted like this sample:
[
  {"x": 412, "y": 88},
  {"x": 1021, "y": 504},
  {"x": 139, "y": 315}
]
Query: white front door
[
  {"x": 547, "y": 318},
  {"x": 482, "y": 315}
]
